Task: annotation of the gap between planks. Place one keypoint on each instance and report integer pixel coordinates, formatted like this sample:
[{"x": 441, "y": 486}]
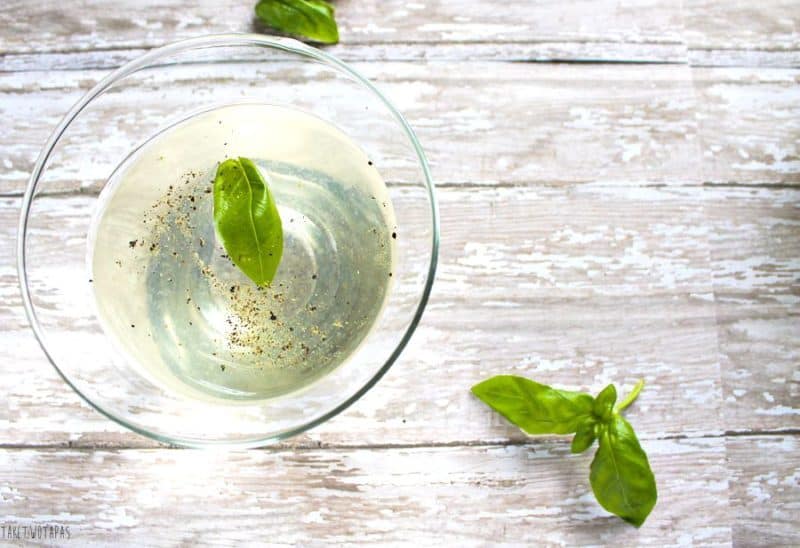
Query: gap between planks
[
  {"x": 548, "y": 184},
  {"x": 313, "y": 446}
]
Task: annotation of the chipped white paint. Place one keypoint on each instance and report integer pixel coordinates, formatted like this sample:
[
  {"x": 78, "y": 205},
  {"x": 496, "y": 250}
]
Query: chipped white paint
[
  {"x": 498, "y": 495},
  {"x": 583, "y": 272},
  {"x": 566, "y": 30},
  {"x": 528, "y": 110},
  {"x": 740, "y": 33}
]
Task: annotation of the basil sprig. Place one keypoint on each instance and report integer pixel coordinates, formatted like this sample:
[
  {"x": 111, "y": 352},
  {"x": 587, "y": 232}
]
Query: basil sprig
[
  {"x": 247, "y": 219},
  {"x": 620, "y": 473},
  {"x": 312, "y": 19}
]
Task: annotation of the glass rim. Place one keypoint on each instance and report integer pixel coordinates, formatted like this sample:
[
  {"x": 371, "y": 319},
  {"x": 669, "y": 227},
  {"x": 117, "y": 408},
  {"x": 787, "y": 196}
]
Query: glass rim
[{"x": 210, "y": 41}]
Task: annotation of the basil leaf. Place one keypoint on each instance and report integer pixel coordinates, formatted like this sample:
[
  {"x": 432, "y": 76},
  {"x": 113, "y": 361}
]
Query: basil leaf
[
  {"x": 584, "y": 437},
  {"x": 534, "y": 407},
  {"x": 247, "y": 220},
  {"x": 621, "y": 478},
  {"x": 313, "y": 19},
  {"x": 603, "y": 407}
]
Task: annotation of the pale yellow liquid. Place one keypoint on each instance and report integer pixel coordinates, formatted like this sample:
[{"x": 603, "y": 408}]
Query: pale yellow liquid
[{"x": 183, "y": 314}]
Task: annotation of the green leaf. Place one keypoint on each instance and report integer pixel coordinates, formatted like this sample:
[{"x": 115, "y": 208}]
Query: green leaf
[
  {"x": 534, "y": 407},
  {"x": 621, "y": 478},
  {"x": 247, "y": 220},
  {"x": 313, "y": 19},
  {"x": 604, "y": 403},
  {"x": 584, "y": 436}
]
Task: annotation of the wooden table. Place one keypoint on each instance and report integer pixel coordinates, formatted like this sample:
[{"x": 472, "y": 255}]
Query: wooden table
[{"x": 620, "y": 194}]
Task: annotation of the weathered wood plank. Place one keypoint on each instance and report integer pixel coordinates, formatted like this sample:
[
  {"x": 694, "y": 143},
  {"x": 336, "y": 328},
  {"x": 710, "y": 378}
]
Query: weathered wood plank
[
  {"x": 738, "y": 32},
  {"x": 478, "y": 122},
  {"x": 755, "y": 257},
  {"x": 469, "y": 496},
  {"x": 627, "y": 275},
  {"x": 764, "y": 489},
  {"x": 535, "y": 52},
  {"x": 575, "y": 286},
  {"x": 642, "y": 30},
  {"x": 749, "y": 125}
]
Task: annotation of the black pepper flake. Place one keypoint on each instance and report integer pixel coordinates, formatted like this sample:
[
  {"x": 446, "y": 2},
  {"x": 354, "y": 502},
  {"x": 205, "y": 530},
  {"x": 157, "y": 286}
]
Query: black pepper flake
[
  {"x": 312, "y": 308},
  {"x": 394, "y": 235},
  {"x": 313, "y": 276},
  {"x": 272, "y": 316},
  {"x": 233, "y": 288},
  {"x": 91, "y": 280},
  {"x": 222, "y": 366},
  {"x": 132, "y": 243},
  {"x": 390, "y": 274},
  {"x": 133, "y": 325},
  {"x": 369, "y": 162}
]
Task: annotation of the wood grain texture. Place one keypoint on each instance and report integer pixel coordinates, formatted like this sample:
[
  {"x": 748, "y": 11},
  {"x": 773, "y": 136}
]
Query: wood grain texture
[
  {"x": 644, "y": 259},
  {"x": 738, "y": 32},
  {"x": 749, "y": 125},
  {"x": 534, "y": 52},
  {"x": 635, "y": 221},
  {"x": 521, "y": 30},
  {"x": 576, "y": 286},
  {"x": 467, "y": 496},
  {"x": 480, "y": 123},
  {"x": 764, "y": 489},
  {"x": 755, "y": 253}
]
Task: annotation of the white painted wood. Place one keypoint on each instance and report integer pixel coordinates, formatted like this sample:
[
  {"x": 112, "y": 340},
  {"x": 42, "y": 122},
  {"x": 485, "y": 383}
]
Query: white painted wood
[
  {"x": 749, "y": 124},
  {"x": 765, "y": 484},
  {"x": 577, "y": 30},
  {"x": 535, "y": 52},
  {"x": 600, "y": 257},
  {"x": 42, "y": 35},
  {"x": 743, "y": 33},
  {"x": 755, "y": 253},
  {"x": 535, "y": 494},
  {"x": 603, "y": 284},
  {"x": 478, "y": 122},
  {"x": 578, "y": 287}
]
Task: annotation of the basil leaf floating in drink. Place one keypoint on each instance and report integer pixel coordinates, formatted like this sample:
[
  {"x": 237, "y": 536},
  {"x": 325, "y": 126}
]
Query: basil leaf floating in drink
[
  {"x": 247, "y": 220},
  {"x": 312, "y": 19},
  {"x": 620, "y": 473}
]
